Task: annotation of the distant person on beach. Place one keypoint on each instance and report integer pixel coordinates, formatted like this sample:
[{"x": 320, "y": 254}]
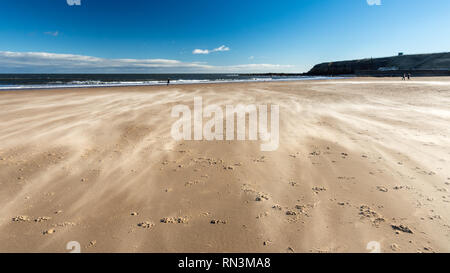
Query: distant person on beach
[
  {"x": 168, "y": 81},
  {"x": 409, "y": 76},
  {"x": 404, "y": 77}
]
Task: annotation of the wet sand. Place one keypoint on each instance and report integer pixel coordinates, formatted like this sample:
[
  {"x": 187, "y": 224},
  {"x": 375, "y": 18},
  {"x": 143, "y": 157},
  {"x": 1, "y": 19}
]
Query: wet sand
[{"x": 360, "y": 160}]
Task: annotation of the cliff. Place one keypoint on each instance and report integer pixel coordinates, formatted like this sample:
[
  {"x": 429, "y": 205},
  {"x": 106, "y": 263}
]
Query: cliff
[{"x": 423, "y": 64}]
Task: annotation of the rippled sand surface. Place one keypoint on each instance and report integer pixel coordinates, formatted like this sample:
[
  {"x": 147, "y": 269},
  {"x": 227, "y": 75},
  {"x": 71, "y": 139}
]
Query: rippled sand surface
[{"x": 360, "y": 161}]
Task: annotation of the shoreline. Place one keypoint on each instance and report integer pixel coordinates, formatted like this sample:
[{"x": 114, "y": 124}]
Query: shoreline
[
  {"x": 330, "y": 80},
  {"x": 307, "y": 78}
]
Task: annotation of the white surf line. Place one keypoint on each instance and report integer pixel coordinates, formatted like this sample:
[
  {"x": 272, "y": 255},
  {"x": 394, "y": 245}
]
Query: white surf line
[{"x": 162, "y": 83}]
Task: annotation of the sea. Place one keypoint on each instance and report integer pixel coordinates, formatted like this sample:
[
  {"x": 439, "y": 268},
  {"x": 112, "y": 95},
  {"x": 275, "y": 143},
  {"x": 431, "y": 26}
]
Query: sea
[{"x": 49, "y": 81}]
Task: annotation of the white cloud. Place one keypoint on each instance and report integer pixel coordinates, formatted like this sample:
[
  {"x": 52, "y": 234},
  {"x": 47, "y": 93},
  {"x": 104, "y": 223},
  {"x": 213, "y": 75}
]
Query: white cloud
[
  {"x": 74, "y": 2},
  {"x": 206, "y": 51},
  {"x": 52, "y": 33},
  {"x": 43, "y": 62},
  {"x": 374, "y": 2},
  {"x": 221, "y": 48},
  {"x": 200, "y": 51}
]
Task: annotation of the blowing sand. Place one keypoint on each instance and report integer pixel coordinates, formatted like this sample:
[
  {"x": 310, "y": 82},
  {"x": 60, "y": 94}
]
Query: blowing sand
[{"x": 359, "y": 161}]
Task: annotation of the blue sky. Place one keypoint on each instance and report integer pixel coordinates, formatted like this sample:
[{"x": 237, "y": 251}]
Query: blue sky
[{"x": 234, "y": 36}]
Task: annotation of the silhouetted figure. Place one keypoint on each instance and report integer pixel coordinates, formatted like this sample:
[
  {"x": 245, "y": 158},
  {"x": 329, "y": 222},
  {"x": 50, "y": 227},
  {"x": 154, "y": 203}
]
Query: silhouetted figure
[
  {"x": 168, "y": 81},
  {"x": 404, "y": 77},
  {"x": 409, "y": 76}
]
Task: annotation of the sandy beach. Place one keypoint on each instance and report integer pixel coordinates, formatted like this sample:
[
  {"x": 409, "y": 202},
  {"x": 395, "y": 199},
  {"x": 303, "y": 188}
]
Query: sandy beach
[{"x": 359, "y": 160}]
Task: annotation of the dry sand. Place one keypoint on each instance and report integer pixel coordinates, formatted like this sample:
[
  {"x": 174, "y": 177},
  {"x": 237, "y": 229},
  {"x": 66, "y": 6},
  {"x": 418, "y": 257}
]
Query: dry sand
[{"x": 360, "y": 160}]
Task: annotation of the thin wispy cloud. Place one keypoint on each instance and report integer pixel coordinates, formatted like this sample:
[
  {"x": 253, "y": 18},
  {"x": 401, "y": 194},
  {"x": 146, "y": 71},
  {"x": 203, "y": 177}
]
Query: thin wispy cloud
[
  {"x": 200, "y": 51},
  {"x": 374, "y": 2},
  {"x": 221, "y": 48},
  {"x": 52, "y": 33},
  {"x": 206, "y": 51},
  {"x": 43, "y": 62}
]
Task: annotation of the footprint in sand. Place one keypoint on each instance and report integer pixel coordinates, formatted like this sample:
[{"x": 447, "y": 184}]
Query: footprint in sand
[
  {"x": 21, "y": 218},
  {"x": 382, "y": 189},
  {"x": 50, "y": 231},
  {"x": 145, "y": 224},
  {"x": 277, "y": 207},
  {"x": 261, "y": 197},
  {"x": 42, "y": 219},
  {"x": 401, "y": 228},
  {"x": 260, "y": 160},
  {"x": 317, "y": 190},
  {"x": 367, "y": 212},
  {"x": 218, "y": 222},
  {"x": 174, "y": 220}
]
